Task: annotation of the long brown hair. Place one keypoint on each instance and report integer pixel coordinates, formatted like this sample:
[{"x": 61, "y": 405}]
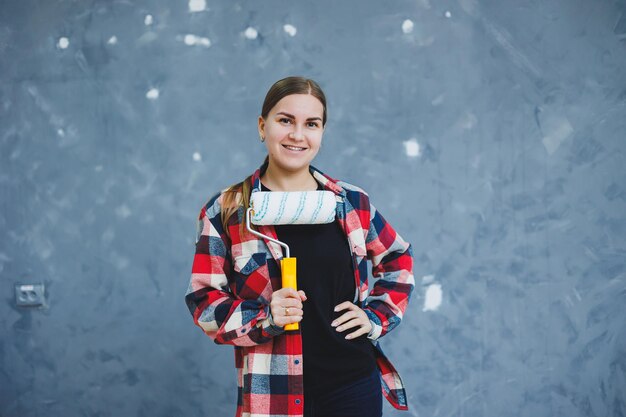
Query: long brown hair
[{"x": 238, "y": 195}]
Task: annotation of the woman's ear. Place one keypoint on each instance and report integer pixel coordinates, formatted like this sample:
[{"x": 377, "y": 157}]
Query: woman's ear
[{"x": 261, "y": 126}]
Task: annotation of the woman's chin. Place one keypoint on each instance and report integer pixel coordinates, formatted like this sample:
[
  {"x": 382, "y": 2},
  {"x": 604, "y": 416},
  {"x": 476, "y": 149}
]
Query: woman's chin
[{"x": 293, "y": 166}]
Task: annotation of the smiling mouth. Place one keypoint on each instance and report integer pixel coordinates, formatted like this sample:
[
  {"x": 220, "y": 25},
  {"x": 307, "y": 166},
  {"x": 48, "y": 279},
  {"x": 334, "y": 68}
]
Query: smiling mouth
[{"x": 294, "y": 148}]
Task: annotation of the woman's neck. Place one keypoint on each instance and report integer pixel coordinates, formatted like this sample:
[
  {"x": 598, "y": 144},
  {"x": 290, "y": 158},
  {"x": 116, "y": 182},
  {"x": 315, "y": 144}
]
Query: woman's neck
[{"x": 279, "y": 180}]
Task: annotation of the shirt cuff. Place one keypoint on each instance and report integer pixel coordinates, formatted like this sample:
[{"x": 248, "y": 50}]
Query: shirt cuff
[
  {"x": 270, "y": 327},
  {"x": 377, "y": 328}
]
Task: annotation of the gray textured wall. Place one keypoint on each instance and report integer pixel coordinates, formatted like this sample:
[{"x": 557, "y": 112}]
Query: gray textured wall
[{"x": 490, "y": 133}]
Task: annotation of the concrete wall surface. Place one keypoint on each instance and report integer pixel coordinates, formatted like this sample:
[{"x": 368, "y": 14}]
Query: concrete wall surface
[{"x": 490, "y": 134}]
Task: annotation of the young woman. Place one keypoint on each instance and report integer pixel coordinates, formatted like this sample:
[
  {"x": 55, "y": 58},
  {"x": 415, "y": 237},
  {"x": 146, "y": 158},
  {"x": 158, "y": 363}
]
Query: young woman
[{"x": 332, "y": 365}]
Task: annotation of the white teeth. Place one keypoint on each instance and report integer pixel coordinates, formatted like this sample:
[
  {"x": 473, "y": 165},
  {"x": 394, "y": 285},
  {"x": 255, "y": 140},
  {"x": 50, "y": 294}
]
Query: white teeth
[{"x": 293, "y": 148}]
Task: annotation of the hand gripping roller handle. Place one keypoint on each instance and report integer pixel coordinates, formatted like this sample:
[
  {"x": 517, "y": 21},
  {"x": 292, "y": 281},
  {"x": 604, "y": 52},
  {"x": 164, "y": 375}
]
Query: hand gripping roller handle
[
  {"x": 287, "y": 264},
  {"x": 289, "y": 207}
]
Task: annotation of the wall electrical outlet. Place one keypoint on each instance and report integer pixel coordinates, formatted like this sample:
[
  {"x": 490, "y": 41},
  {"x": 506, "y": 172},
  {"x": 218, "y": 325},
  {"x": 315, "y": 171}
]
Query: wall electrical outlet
[{"x": 30, "y": 295}]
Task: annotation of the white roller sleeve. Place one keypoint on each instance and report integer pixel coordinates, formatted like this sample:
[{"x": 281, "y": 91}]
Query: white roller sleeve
[{"x": 293, "y": 207}]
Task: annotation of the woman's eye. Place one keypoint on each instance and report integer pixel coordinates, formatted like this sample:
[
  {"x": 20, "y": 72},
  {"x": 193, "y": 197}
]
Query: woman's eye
[
  {"x": 313, "y": 124},
  {"x": 284, "y": 120}
]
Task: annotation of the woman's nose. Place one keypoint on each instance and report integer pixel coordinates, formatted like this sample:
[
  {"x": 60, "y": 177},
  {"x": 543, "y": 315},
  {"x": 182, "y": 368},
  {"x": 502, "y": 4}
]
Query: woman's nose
[{"x": 296, "y": 134}]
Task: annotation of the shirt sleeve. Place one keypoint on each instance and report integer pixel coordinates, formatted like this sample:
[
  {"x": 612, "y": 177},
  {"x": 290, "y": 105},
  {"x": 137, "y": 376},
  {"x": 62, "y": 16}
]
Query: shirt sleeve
[
  {"x": 392, "y": 264},
  {"x": 222, "y": 316}
]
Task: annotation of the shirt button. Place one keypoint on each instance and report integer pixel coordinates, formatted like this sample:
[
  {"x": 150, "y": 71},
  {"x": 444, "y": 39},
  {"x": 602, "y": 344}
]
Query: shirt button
[
  {"x": 296, "y": 361},
  {"x": 243, "y": 330},
  {"x": 298, "y": 401}
]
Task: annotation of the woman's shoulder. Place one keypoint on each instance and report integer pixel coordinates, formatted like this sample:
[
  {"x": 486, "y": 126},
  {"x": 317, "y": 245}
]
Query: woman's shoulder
[
  {"x": 351, "y": 187},
  {"x": 359, "y": 199},
  {"x": 345, "y": 185},
  {"x": 229, "y": 197}
]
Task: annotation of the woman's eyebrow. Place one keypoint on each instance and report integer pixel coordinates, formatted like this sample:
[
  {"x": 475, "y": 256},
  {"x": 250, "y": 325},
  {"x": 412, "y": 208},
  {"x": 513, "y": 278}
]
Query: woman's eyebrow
[{"x": 293, "y": 117}]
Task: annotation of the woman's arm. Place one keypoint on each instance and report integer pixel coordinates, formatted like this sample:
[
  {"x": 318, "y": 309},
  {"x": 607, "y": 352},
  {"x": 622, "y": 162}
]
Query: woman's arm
[
  {"x": 224, "y": 318},
  {"x": 392, "y": 264}
]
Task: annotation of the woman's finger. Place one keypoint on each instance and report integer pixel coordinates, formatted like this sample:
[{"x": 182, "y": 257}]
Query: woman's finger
[
  {"x": 291, "y": 303},
  {"x": 283, "y": 297},
  {"x": 279, "y": 310},
  {"x": 343, "y": 318},
  {"x": 343, "y": 306},
  {"x": 286, "y": 306},
  {"x": 292, "y": 311},
  {"x": 350, "y": 324},
  {"x": 360, "y": 332},
  {"x": 354, "y": 317},
  {"x": 288, "y": 310},
  {"x": 287, "y": 292}
]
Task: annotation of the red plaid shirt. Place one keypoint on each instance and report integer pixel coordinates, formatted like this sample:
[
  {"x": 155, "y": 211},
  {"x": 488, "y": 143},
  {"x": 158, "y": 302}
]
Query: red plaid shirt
[{"x": 233, "y": 279}]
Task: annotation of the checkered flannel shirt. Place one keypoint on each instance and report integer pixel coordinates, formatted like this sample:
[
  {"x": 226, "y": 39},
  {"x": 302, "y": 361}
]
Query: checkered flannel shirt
[{"x": 233, "y": 279}]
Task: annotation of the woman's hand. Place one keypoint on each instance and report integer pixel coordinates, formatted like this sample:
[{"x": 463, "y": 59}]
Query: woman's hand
[
  {"x": 354, "y": 317},
  {"x": 286, "y": 306}
]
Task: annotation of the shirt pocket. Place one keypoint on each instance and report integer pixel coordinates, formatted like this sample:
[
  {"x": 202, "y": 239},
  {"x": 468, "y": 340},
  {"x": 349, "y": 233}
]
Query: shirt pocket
[{"x": 251, "y": 279}]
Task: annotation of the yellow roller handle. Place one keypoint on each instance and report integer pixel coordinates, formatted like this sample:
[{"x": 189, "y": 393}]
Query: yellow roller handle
[{"x": 288, "y": 266}]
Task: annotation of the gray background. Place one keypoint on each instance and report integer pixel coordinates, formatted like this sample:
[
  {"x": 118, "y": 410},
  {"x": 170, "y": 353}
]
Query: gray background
[{"x": 514, "y": 200}]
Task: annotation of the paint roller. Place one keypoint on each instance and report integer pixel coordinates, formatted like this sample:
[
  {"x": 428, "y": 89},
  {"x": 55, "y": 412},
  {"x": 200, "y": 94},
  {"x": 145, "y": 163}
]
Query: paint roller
[{"x": 289, "y": 207}]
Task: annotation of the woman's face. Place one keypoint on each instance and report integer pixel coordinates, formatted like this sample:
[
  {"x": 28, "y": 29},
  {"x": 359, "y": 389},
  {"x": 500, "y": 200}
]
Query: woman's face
[{"x": 293, "y": 132}]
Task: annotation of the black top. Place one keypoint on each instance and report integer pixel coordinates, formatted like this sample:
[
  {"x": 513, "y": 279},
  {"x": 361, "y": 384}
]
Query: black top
[{"x": 326, "y": 274}]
